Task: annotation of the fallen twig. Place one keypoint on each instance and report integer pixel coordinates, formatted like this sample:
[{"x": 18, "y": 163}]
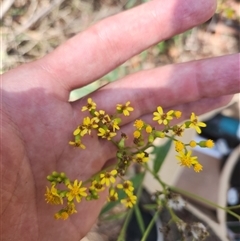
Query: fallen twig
[{"x": 40, "y": 14}]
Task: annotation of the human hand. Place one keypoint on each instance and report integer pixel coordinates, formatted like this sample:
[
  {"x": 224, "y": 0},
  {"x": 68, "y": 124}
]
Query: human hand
[{"x": 38, "y": 120}]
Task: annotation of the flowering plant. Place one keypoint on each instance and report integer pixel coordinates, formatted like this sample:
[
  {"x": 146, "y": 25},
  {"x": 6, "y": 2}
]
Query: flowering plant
[{"x": 131, "y": 150}]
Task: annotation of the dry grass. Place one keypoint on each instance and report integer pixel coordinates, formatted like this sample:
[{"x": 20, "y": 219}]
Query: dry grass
[{"x": 32, "y": 28}]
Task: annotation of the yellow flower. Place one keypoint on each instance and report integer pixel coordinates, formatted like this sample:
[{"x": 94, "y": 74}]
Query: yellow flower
[
  {"x": 177, "y": 114},
  {"x": 195, "y": 124},
  {"x": 136, "y": 134},
  {"x": 209, "y": 143},
  {"x": 97, "y": 186},
  {"x": 77, "y": 143},
  {"x": 71, "y": 208},
  {"x": 141, "y": 157},
  {"x": 192, "y": 143},
  {"x": 179, "y": 146},
  {"x": 101, "y": 117},
  {"x": 159, "y": 134},
  {"x": 197, "y": 167},
  {"x": 77, "y": 131},
  {"x": 88, "y": 125},
  {"x": 149, "y": 129},
  {"x": 127, "y": 187},
  {"x": 161, "y": 117},
  {"x": 129, "y": 201},
  {"x": 178, "y": 130},
  {"x": 138, "y": 124},
  {"x": 76, "y": 191},
  {"x": 65, "y": 212},
  {"x": 186, "y": 159},
  {"x": 106, "y": 133},
  {"x": 113, "y": 124},
  {"x": 90, "y": 105},
  {"x": 125, "y": 109},
  {"x": 108, "y": 177},
  {"x": 113, "y": 195},
  {"x": 52, "y": 196},
  {"x": 61, "y": 215}
]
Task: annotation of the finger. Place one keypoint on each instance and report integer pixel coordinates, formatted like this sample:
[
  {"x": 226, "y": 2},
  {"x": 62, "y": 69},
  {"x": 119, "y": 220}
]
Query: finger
[
  {"x": 170, "y": 86},
  {"x": 93, "y": 53}
]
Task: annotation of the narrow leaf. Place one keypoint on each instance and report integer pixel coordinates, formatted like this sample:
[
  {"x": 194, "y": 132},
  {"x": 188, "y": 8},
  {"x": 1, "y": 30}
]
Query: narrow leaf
[
  {"x": 161, "y": 153},
  {"x": 139, "y": 219}
]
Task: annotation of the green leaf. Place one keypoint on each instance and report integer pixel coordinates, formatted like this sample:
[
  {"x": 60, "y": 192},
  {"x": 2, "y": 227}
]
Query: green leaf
[
  {"x": 139, "y": 219},
  {"x": 161, "y": 153},
  {"x": 137, "y": 179},
  {"x": 108, "y": 206},
  {"x": 79, "y": 93}
]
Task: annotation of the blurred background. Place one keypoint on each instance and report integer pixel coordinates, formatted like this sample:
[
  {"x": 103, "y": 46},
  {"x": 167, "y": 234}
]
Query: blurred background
[{"x": 32, "y": 28}]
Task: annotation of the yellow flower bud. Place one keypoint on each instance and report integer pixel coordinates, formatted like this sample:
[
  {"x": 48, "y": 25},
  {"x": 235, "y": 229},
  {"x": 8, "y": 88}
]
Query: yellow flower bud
[
  {"x": 209, "y": 143},
  {"x": 76, "y": 132},
  {"x": 62, "y": 175},
  {"x": 192, "y": 143},
  {"x": 121, "y": 143},
  {"x": 179, "y": 146},
  {"x": 148, "y": 129},
  {"x": 177, "y": 114},
  {"x": 160, "y": 134},
  {"x": 139, "y": 124},
  {"x": 151, "y": 138},
  {"x": 136, "y": 134},
  {"x": 50, "y": 178},
  {"x": 55, "y": 174}
]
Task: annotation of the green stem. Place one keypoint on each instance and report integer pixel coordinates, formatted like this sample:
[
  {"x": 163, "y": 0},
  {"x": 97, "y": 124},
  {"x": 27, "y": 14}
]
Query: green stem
[
  {"x": 234, "y": 207},
  {"x": 191, "y": 195},
  {"x": 121, "y": 236},
  {"x": 143, "y": 148},
  {"x": 203, "y": 200},
  {"x": 164, "y": 186},
  {"x": 149, "y": 228},
  {"x": 139, "y": 219},
  {"x": 171, "y": 137}
]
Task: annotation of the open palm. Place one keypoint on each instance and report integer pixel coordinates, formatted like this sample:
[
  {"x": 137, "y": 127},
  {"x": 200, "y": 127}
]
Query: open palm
[{"x": 38, "y": 119}]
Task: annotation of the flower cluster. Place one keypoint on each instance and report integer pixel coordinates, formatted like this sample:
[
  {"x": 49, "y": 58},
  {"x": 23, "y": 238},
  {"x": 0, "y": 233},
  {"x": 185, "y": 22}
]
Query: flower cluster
[
  {"x": 184, "y": 155},
  {"x": 128, "y": 189},
  {"x": 74, "y": 191},
  {"x": 107, "y": 126}
]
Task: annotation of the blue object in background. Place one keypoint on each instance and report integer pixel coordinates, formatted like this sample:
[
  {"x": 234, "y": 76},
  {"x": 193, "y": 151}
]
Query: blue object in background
[{"x": 223, "y": 127}]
